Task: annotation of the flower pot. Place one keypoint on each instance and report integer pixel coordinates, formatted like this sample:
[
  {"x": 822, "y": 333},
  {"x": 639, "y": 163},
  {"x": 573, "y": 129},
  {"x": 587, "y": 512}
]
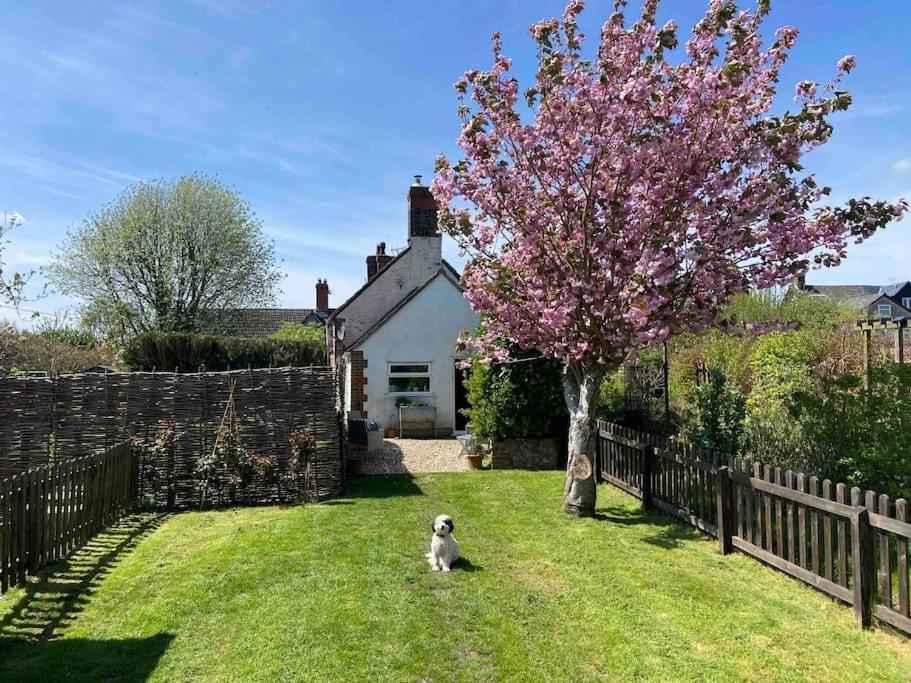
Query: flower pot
[
  {"x": 391, "y": 433},
  {"x": 475, "y": 461},
  {"x": 355, "y": 467}
]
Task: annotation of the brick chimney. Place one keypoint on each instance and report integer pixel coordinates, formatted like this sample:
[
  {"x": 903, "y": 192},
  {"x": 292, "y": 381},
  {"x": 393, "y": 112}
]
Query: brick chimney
[
  {"x": 322, "y": 295},
  {"x": 422, "y": 211},
  {"x": 376, "y": 262}
]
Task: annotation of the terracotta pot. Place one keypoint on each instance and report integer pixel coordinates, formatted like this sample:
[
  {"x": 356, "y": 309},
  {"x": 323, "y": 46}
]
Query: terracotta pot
[
  {"x": 391, "y": 433},
  {"x": 355, "y": 467},
  {"x": 475, "y": 461}
]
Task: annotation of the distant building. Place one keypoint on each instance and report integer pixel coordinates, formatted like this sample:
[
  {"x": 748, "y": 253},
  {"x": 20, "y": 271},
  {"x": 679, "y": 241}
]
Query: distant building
[
  {"x": 872, "y": 301},
  {"x": 261, "y": 322}
]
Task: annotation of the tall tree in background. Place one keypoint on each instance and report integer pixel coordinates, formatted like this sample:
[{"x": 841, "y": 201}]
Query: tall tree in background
[
  {"x": 647, "y": 188},
  {"x": 12, "y": 285},
  {"x": 163, "y": 254}
]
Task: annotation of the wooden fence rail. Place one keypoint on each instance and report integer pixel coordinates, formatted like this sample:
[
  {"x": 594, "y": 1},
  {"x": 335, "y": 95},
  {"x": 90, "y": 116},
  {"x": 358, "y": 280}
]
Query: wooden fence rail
[
  {"x": 850, "y": 544},
  {"x": 49, "y": 511}
]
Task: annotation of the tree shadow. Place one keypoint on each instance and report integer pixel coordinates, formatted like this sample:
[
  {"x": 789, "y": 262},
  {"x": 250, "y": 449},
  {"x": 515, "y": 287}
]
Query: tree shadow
[
  {"x": 50, "y": 600},
  {"x": 671, "y": 534},
  {"x": 383, "y": 486}
]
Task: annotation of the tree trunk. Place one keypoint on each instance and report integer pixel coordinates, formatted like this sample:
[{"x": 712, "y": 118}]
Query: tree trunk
[{"x": 581, "y": 382}]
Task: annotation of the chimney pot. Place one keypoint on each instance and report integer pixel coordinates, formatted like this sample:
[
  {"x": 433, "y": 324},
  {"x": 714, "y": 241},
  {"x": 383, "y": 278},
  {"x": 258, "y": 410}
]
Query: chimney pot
[{"x": 322, "y": 295}]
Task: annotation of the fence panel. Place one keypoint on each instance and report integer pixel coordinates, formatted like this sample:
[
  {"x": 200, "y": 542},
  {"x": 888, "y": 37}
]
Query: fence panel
[
  {"x": 850, "y": 544},
  {"x": 47, "y": 512}
]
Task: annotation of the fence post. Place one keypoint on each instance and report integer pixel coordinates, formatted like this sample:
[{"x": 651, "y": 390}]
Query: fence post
[
  {"x": 723, "y": 501},
  {"x": 864, "y": 569},
  {"x": 648, "y": 466}
]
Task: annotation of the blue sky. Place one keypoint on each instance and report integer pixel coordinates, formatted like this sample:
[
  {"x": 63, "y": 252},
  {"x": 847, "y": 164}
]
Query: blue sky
[{"x": 319, "y": 113}]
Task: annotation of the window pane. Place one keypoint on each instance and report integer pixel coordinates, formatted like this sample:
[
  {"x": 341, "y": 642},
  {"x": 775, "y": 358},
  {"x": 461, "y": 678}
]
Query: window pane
[
  {"x": 416, "y": 367},
  {"x": 906, "y": 302},
  {"x": 885, "y": 311},
  {"x": 399, "y": 385}
]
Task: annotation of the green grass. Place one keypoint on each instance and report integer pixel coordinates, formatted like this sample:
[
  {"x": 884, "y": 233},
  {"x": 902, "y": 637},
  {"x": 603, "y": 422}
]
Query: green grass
[{"x": 341, "y": 591}]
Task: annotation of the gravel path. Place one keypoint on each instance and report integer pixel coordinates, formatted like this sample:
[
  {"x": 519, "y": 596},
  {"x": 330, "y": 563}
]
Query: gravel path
[{"x": 403, "y": 456}]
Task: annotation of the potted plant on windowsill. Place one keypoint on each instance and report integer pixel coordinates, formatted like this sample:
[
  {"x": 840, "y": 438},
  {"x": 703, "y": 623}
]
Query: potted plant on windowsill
[{"x": 416, "y": 417}]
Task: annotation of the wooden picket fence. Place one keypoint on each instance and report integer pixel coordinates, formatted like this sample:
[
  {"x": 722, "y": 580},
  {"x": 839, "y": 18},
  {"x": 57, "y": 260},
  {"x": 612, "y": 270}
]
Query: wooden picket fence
[
  {"x": 49, "y": 511},
  {"x": 850, "y": 544}
]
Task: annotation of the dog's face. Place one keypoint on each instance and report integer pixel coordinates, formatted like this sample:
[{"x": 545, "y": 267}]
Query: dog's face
[{"x": 442, "y": 525}]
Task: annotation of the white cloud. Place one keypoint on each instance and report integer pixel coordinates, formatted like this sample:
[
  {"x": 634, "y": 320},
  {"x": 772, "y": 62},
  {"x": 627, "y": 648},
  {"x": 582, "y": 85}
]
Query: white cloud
[{"x": 902, "y": 165}]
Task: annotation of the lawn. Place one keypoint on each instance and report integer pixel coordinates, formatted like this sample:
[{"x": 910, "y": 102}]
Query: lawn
[{"x": 341, "y": 591}]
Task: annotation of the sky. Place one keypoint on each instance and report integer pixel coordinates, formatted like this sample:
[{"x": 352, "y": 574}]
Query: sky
[{"x": 320, "y": 113}]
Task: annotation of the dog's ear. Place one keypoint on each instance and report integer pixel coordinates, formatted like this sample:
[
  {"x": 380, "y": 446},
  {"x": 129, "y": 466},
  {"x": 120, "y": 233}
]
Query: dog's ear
[
  {"x": 433, "y": 526},
  {"x": 448, "y": 522}
]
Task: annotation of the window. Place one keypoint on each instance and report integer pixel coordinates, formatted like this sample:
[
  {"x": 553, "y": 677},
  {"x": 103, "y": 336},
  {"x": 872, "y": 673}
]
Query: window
[
  {"x": 884, "y": 310},
  {"x": 906, "y": 302},
  {"x": 409, "y": 378}
]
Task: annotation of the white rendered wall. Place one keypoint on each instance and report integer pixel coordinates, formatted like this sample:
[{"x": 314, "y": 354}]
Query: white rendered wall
[{"x": 424, "y": 330}]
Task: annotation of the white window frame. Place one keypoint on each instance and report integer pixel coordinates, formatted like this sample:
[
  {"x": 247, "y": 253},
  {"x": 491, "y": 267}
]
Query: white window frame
[
  {"x": 884, "y": 307},
  {"x": 906, "y": 302},
  {"x": 428, "y": 374}
]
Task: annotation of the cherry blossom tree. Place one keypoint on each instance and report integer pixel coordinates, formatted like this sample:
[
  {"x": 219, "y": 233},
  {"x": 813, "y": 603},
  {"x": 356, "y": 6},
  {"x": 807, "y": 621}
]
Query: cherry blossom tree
[{"x": 627, "y": 195}]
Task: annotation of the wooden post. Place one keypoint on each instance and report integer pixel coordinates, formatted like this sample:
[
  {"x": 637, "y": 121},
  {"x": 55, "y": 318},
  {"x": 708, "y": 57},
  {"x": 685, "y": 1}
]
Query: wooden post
[
  {"x": 648, "y": 466},
  {"x": 900, "y": 344},
  {"x": 868, "y": 357},
  {"x": 725, "y": 518},
  {"x": 864, "y": 566},
  {"x": 667, "y": 397}
]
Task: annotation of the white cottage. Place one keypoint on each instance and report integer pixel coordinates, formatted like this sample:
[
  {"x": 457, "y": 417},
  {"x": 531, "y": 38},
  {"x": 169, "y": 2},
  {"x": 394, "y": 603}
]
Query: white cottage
[{"x": 395, "y": 337}]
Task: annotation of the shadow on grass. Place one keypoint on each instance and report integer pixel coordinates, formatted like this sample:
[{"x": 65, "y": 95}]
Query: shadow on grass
[
  {"x": 31, "y": 646},
  {"x": 78, "y": 659},
  {"x": 50, "y": 601},
  {"x": 383, "y": 486},
  {"x": 463, "y": 564},
  {"x": 671, "y": 534}
]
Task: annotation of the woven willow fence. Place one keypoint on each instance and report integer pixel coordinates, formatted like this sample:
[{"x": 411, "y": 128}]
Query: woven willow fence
[{"x": 50, "y": 420}]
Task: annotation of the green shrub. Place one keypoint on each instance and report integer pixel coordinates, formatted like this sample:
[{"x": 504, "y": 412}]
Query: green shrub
[
  {"x": 716, "y": 423},
  {"x": 311, "y": 333},
  {"x": 516, "y": 400},
  {"x": 187, "y": 352}
]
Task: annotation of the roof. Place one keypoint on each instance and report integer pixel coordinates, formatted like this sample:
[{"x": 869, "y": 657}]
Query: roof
[
  {"x": 894, "y": 289},
  {"x": 260, "y": 322},
  {"x": 445, "y": 270},
  {"x": 369, "y": 282},
  {"x": 851, "y": 295},
  {"x": 855, "y": 296}
]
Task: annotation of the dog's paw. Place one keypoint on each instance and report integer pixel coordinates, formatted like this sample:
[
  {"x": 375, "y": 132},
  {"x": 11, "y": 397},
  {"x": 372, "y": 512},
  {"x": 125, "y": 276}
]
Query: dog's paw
[
  {"x": 446, "y": 569},
  {"x": 435, "y": 567}
]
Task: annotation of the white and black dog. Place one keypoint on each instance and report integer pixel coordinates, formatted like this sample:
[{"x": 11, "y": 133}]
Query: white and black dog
[{"x": 444, "y": 549}]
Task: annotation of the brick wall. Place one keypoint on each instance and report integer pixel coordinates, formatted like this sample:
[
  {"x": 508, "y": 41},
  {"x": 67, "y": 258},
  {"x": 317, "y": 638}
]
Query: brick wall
[{"x": 358, "y": 382}]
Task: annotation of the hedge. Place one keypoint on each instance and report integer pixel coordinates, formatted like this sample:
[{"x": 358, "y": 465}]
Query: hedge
[{"x": 188, "y": 352}]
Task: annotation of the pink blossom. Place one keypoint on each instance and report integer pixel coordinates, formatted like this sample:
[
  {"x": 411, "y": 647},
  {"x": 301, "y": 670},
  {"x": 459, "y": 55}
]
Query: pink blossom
[
  {"x": 847, "y": 63},
  {"x": 639, "y": 192}
]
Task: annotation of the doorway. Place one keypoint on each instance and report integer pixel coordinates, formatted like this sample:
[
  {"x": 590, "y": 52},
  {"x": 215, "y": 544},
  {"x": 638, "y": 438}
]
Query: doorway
[{"x": 461, "y": 398}]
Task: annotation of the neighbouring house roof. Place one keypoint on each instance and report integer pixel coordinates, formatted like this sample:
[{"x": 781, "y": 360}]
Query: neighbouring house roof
[
  {"x": 445, "y": 270},
  {"x": 894, "y": 289},
  {"x": 856, "y": 296},
  {"x": 862, "y": 296},
  {"x": 260, "y": 322}
]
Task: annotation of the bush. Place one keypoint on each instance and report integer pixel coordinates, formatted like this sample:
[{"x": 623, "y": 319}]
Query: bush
[
  {"x": 311, "y": 333},
  {"x": 716, "y": 423},
  {"x": 52, "y": 350},
  {"x": 187, "y": 352},
  {"x": 517, "y": 400}
]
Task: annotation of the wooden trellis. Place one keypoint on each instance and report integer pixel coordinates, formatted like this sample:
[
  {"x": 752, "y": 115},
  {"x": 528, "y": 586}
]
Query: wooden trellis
[{"x": 866, "y": 327}]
